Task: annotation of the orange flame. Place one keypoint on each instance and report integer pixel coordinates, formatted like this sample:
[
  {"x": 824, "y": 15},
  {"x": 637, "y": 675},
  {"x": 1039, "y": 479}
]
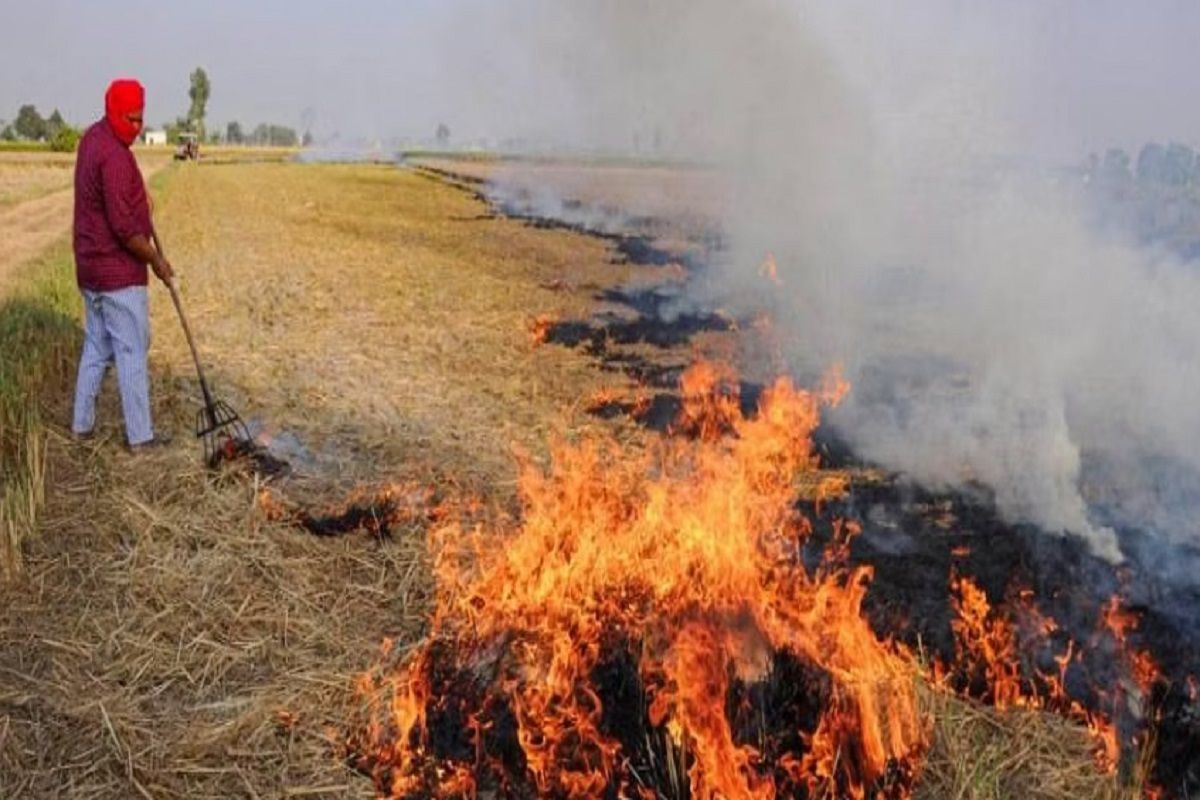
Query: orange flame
[
  {"x": 1120, "y": 622},
  {"x": 603, "y": 398},
  {"x": 989, "y": 650},
  {"x": 770, "y": 270},
  {"x": 539, "y": 328},
  {"x": 690, "y": 553},
  {"x": 711, "y": 398}
]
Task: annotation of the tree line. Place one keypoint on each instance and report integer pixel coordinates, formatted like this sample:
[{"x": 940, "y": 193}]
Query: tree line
[
  {"x": 263, "y": 135},
  {"x": 30, "y": 126},
  {"x": 1173, "y": 164}
]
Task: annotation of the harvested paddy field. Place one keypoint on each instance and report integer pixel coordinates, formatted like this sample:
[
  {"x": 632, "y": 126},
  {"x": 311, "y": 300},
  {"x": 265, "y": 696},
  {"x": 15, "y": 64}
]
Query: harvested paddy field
[
  {"x": 179, "y": 633},
  {"x": 361, "y": 312},
  {"x": 36, "y": 202},
  {"x": 24, "y": 176},
  {"x": 376, "y": 316}
]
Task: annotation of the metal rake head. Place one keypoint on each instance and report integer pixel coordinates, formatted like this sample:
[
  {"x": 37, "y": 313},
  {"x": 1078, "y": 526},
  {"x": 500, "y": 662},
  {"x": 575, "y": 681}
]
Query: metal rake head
[{"x": 221, "y": 428}]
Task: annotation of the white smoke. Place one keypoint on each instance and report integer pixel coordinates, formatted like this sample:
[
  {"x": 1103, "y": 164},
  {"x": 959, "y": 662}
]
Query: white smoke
[{"x": 991, "y": 337}]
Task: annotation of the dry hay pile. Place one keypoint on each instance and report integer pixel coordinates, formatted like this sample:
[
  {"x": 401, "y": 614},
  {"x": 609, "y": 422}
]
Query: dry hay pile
[{"x": 979, "y": 753}]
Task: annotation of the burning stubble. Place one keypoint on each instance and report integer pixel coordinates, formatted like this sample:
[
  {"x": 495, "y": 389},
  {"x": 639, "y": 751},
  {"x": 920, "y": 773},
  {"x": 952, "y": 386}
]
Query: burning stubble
[{"x": 993, "y": 338}]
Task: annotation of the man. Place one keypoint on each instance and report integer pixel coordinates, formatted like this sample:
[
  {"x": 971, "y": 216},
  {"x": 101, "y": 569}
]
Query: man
[{"x": 112, "y": 238}]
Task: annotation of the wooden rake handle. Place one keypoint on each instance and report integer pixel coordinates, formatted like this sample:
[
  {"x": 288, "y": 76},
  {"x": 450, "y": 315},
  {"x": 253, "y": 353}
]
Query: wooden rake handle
[{"x": 173, "y": 286}]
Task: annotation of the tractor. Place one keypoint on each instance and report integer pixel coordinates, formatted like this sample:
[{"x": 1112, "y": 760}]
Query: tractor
[{"x": 188, "y": 148}]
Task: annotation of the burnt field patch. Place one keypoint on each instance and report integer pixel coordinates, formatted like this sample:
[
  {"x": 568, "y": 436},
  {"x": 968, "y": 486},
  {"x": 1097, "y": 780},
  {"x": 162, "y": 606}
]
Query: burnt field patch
[{"x": 933, "y": 552}]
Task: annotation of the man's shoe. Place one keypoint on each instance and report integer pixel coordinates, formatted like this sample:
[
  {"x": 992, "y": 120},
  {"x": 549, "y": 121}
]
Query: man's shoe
[
  {"x": 86, "y": 436},
  {"x": 158, "y": 442}
]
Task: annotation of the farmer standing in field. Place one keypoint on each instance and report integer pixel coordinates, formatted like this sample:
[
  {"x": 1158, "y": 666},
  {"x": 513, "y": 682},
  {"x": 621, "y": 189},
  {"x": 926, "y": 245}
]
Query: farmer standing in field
[{"x": 112, "y": 239}]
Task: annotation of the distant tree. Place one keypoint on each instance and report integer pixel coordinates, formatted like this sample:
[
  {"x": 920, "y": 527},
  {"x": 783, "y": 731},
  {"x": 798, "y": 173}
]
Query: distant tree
[
  {"x": 233, "y": 133},
  {"x": 1116, "y": 166},
  {"x": 173, "y": 129},
  {"x": 198, "y": 91},
  {"x": 29, "y": 123},
  {"x": 1177, "y": 164},
  {"x": 443, "y": 134},
  {"x": 54, "y": 123},
  {"x": 1151, "y": 163},
  {"x": 265, "y": 135},
  {"x": 214, "y": 137},
  {"x": 282, "y": 136},
  {"x": 8, "y": 134},
  {"x": 307, "y": 139},
  {"x": 65, "y": 139}
]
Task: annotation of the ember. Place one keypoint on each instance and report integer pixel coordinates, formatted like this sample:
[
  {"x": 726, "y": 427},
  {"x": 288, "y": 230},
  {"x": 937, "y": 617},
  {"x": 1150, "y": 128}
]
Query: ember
[
  {"x": 539, "y": 328},
  {"x": 251, "y": 453},
  {"x": 376, "y": 512},
  {"x": 770, "y": 270}
]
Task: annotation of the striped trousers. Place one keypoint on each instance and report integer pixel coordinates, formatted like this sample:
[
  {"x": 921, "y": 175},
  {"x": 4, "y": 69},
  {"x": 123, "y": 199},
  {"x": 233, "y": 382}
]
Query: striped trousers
[{"x": 116, "y": 329}]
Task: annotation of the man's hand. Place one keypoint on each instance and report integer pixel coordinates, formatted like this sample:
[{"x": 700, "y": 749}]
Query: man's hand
[
  {"x": 141, "y": 247},
  {"x": 162, "y": 268}
]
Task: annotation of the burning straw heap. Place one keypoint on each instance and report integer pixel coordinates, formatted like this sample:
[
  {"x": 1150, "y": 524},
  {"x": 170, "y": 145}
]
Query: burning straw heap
[{"x": 649, "y": 629}]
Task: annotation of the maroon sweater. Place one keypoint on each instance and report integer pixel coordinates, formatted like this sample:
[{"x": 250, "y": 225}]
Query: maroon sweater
[{"x": 110, "y": 208}]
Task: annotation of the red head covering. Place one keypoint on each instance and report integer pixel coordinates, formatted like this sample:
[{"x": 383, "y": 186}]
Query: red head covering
[{"x": 124, "y": 96}]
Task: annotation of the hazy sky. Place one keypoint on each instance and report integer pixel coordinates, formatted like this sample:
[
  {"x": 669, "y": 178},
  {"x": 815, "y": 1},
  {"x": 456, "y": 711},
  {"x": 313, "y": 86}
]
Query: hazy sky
[{"x": 1065, "y": 75}]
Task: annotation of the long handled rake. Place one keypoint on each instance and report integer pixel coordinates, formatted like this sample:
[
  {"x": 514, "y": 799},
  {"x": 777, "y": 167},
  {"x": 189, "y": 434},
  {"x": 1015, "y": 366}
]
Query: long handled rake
[{"x": 216, "y": 423}]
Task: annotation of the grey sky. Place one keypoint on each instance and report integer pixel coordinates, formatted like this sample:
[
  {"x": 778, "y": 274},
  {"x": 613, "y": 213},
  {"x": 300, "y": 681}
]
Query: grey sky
[{"x": 1062, "y": 75}]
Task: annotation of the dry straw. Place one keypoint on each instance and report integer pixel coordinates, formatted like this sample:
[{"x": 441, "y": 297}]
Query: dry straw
[{"x": 165, "y": 640}]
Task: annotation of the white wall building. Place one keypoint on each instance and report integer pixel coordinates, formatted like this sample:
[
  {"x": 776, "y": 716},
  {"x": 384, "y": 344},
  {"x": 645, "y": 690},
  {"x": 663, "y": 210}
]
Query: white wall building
[{"x": 157, "y": 138}]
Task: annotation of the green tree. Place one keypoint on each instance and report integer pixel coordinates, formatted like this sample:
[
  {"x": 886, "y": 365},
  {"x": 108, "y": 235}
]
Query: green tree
[
  {"x": 198, "y": 92},
  {"x": 29, "y": 123},
  {"x": 173, "y": 129},
  {"x": 1115, "y": 167},
  {"x": 54, "y": 124},
  {"x": 233, "y": 133},
  {"x": 282, "y": 136},
  {"x": 1151, "y": 163},
  {"x": 443, "y": 134},
  {"x": 1177, "y": 166},
  {"x": 65, "y": 139},
  {"x": 8, "y": 134},
  {"x": 265, "y": 135}
]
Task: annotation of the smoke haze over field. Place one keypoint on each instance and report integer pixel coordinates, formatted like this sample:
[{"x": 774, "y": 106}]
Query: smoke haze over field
[
  {"x": 991, "y": 336},
  {"x": 883, "y": 151}
]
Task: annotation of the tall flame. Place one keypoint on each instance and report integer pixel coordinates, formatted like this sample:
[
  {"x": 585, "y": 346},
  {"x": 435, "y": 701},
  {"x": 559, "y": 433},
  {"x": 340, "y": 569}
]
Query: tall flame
[{"x": 689, "y": 552}]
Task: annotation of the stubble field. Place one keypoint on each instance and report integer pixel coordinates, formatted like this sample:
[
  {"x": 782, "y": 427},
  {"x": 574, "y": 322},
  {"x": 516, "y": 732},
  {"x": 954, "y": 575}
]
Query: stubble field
[{"x": 165, "y": 636}]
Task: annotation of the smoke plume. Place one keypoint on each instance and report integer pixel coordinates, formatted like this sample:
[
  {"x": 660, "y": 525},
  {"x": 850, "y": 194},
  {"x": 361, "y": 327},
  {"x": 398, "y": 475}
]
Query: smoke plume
[{"x": 991, "y": 336}]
